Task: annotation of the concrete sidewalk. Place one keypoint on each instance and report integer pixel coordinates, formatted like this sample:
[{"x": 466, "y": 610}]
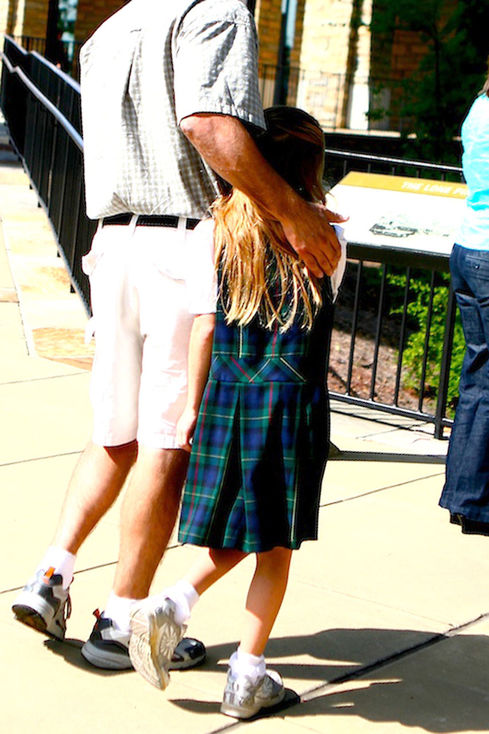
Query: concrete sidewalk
[{"x": 386, "y": 621}]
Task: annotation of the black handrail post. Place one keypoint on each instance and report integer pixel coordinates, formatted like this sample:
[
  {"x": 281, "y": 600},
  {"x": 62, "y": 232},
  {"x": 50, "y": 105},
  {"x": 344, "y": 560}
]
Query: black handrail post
[
  {"x": 424, "y": 365},
  {"x": 441, "y": 403},
  {"x": 378, "y": 331},
  {"x": 354, "y": 326},
  {"x": 402, "y": 336}
]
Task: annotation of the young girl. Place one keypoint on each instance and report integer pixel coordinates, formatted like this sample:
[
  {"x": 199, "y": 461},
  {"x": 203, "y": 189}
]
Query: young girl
[{"x": 260, "y": 440}]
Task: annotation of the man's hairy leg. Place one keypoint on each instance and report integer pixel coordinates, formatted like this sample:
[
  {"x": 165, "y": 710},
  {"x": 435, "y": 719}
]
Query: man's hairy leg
[
  {"x": 149, "y": 512},
  {"x": 95, "y": 483}
]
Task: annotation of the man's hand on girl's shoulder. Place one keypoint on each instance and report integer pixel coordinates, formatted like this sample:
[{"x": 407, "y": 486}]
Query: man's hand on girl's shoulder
[{"x": 313, "y": 237}]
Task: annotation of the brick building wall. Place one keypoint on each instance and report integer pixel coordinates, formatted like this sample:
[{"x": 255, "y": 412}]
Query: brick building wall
[
  {"x": 392, "y": 61},
  {"x": 29, "y": 17},
  {"x": 91, "y": 13},
  {"x": 268, "y": 18},
  {"x": 408, "y": 48},
  {"x": 24, "y": 17}
]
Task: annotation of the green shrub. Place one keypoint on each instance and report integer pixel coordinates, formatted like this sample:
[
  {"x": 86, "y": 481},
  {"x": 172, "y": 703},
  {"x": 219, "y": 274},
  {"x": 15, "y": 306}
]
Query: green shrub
[{"x": 418, "y": 311}]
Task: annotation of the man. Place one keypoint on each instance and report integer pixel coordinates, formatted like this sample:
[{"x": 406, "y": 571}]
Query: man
[{"x": 165, "y": 87}]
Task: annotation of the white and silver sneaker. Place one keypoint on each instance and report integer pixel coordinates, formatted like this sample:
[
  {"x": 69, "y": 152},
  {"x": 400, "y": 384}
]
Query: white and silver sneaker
[
  {"x": 154, "y": 637},
  {"x": 44, "y": 604},
  {"x": 243, "y": 697}
]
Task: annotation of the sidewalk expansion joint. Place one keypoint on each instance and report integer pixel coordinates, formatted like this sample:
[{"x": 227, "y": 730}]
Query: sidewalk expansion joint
[
  {"x": 41, "y": 458},
  {"x": 393, "y": 457},
  {"x": 114, "y": 563},
  {"x": 78, "y": 373},
  {"x": 85, "y": 570},
  {"x": 382, "y": 489}
]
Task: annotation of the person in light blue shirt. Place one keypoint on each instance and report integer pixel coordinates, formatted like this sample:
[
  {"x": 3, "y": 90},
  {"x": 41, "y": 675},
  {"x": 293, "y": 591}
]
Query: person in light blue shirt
[
  {"x": 474, "y": 232},
  {"x": 466, "y": 490}
]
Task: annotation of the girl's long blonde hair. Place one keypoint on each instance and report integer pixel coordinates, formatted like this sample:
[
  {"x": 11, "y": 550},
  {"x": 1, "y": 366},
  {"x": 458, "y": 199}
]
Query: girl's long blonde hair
[{"x": 260, "y": 272}]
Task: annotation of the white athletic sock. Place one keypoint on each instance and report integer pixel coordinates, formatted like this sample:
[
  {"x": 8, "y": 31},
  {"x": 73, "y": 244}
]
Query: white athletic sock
[
  {"x": 184, "y": 597},
  {"x": 117, "y": 609},
  {"x": 61, "y": 560},
  {"x": 243, "y": 663}
]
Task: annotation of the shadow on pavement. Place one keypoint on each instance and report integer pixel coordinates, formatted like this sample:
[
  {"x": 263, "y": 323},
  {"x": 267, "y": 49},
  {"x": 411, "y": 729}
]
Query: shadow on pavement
[
  {"x": 70, "y": 651},
  {"x": 410, "y": 677},
  {"x": 414, "y": 678},
  {"x": 213, "y": 707},
  {"x": 411, "y": 701}
]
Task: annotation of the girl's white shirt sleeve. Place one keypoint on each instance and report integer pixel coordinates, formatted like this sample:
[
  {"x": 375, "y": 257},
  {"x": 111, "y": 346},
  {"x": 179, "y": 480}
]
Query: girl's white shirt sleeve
[
  {"x": 201, "y": 279},
  {"x": 338, "y": 274}
]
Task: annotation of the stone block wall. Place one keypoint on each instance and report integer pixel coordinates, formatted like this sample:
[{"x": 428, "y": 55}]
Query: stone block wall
[
  {"x": 323, "y": 59},
  {"x": 323, "y": 45},
  {"x": 5, "y": 14}
]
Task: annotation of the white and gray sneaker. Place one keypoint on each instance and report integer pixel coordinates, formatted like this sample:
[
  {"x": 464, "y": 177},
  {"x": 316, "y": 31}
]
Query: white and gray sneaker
[
  {"x": 107, "y": 646},
  {"x": 243, "y": 697},
  {"x": 155, "y": 635},
  {"x": 44, "y": 604}
]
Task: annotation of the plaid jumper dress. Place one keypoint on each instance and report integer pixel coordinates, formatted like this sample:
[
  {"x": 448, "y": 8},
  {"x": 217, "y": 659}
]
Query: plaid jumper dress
[{"x": 261, "y": 441}]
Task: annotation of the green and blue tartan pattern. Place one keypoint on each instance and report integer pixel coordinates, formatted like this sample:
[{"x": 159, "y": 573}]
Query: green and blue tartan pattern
[{"x": 261, "y": 441}]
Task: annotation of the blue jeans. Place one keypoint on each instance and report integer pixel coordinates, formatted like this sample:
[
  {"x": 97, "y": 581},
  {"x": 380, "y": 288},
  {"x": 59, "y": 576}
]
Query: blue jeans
[{"x": 466, "y": 490}]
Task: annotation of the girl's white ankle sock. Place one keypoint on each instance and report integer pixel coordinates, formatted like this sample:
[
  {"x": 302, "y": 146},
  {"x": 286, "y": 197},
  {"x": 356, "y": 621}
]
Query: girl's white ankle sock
[
  {"x": 61, "y": 560},
  {"x": 184, "y": 597},
  {"x": 117, "y": 609},
  {"x": 244, "y": 663}
]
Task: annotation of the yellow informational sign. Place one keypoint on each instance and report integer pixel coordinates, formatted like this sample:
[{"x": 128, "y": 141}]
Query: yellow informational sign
[{"x": 396, "y": 211}]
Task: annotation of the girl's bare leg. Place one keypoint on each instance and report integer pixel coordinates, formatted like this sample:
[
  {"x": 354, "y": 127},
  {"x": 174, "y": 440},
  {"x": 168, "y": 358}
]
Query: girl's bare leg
[
  {"x": 265, "y": 596},
  {"x": 212, "y": 565}
]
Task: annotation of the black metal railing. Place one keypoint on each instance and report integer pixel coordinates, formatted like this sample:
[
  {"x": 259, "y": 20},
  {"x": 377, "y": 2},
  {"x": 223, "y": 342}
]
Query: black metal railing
[
  {"x": 381, "y": 356},
  {"x": 329, "y": 96},
  {"x": 320, "y": 91},
  {"x": 41, "y": 105},
  {"x": 341, "y": 162},
  {"x": 65, "y": 51}
]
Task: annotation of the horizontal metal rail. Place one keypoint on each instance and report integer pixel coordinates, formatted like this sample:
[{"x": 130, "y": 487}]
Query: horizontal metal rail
[
  {"x": 45, "y": 102},
  {"x": 422, "y": 165},
  {"x": 41, "y": 106}
]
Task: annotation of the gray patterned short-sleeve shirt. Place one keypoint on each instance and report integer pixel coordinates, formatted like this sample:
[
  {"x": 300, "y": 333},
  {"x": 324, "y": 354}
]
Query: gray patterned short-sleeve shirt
[{"x": 147, "y": 67}]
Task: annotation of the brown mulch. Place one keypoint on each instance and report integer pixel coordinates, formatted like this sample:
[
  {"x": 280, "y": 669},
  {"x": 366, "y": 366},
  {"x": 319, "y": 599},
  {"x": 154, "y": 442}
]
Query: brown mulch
[{"x": 363, "y": 362}]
